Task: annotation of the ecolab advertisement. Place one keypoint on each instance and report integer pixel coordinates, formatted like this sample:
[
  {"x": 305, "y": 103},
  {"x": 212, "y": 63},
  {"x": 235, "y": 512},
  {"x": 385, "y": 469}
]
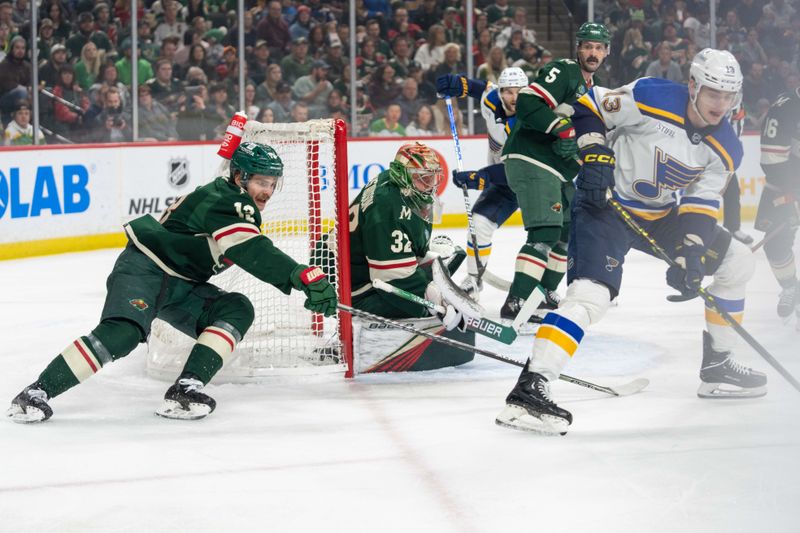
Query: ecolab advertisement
[{"x": 57, "y": 193}]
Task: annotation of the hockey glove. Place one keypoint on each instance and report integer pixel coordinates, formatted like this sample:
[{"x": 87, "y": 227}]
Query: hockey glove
[
  {"x": 320, "y": 294},
  {"x": 566, "y": 146},
  {"x": 690, "y": 268},
  {"x": 451, "y": 85},
  {"x": 596, "y": 175},
  {"x": 473, "y": 179}
]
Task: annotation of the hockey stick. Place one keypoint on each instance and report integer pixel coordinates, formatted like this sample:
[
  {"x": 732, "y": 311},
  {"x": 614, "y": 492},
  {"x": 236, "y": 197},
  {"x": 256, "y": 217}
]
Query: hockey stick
[
  {"x": 496, "y": 281},
  {"x": 460, "y": 166},
  {"x": 792, "y": 222},
  {"x": 481, "y": 326},
  {"x": 709, "y": 298},
  {"x": 625, "y": 389}
]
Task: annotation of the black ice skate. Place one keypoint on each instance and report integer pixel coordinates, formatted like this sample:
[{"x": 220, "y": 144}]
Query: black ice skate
[
  {"x": 184, "y": 401},
  {"x": 529, "y": 407},
  {"x": 788, "y": 301},
  {"x": 30, "y": 406},
  {"x": 550, "y": 302},
  {"x": 722, "y": 377},
  {"x": 511, "y": 309}
]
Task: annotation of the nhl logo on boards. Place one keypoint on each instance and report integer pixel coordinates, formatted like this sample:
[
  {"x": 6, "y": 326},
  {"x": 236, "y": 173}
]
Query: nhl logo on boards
[
  {"x": 178, "y": 174},
  {"x": 139, "y": 304}
]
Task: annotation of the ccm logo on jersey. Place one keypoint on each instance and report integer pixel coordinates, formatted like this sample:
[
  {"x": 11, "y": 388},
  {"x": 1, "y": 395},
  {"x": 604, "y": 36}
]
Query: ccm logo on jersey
[{"x": 600, "y": 158}]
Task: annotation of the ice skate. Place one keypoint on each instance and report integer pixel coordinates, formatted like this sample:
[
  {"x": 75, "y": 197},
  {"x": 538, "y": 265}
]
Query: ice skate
[
  {"x": 742, "y": 237},
  {"x": 722, "y": 377},
  {"x": 511, "y": 309},
  {"x": 787, "y": 302},
  {"x": 529, "y": 407},
  {"x": 473, "y": 286},
  {"x": 184, "y": 401},
  {"x": 30, "y": 406}
]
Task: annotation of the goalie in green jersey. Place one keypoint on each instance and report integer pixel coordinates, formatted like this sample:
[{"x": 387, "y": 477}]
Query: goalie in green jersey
[{"x": 163, "y": 273}]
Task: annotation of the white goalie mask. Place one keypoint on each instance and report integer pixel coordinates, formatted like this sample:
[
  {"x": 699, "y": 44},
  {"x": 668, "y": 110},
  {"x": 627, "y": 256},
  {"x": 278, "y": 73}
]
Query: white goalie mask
[
  {"x": 716, "y": 69},
  {"x": 512, "y": 77}
]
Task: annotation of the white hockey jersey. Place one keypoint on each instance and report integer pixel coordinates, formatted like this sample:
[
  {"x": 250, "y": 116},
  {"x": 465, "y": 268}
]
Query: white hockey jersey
[
  {"x": 661, "y": 159},
  {"x": 498, "y": 125}
]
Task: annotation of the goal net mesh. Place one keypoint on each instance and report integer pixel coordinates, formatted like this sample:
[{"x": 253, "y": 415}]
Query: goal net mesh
[{"x": 301, "y": 219}]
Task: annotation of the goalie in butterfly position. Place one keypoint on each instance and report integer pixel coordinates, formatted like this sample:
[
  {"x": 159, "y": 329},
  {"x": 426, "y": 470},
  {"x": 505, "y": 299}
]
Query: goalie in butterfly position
[
  {"x": 163, "y": 273},
  {"x": 390, "y": 241},
  {"x": 667, "y": 137}
]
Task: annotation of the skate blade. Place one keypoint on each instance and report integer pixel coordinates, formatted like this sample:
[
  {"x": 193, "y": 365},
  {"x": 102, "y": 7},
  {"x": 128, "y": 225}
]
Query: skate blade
[
  {"x": 515, "y": 417},
  {"x": 173, "y": 410},
  {"x": 526, "y": 330},
  {"x": 725, "y": 391},
  {"x": 20, "y": 416}
]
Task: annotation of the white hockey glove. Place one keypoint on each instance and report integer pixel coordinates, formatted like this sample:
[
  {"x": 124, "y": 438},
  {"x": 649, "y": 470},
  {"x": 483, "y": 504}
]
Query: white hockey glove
[
  {"x": 452, "y": 318},
  {"x": 442, "y": 245},
  {"x": 457, "y": 303}
]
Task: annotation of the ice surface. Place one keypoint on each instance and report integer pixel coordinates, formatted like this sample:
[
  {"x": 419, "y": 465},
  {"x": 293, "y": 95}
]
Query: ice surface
[{"x": 399, "y": 453}]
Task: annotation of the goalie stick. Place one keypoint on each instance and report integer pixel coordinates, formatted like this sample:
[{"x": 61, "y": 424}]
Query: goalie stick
[
  {"x": 703, "y": 293},
  {"x": 625, "y": 389},
  {"x": 481, "y": 326}
]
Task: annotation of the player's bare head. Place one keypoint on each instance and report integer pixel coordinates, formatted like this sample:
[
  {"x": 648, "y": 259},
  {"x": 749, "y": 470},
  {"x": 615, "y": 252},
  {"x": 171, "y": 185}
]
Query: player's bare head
[
  {"x": 257, "y": 169},
  {"x": 416, "y": 170},
  {"x": 511, "y": 80},
  {"x": 593, "y": 43},
  {"x": 715, "y": 86}
]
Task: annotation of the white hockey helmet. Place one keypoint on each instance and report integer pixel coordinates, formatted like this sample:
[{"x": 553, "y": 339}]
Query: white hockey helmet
[
  {"x": 717, "y": 69},
  {"x": 512, "y": 77}
]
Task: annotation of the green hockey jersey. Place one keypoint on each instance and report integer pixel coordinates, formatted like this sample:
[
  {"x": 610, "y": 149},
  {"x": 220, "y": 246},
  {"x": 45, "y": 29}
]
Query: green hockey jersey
[
  {"x": 387, "y": 240},
  {"x": 558, "y": 82},
  {"x": 208, "y": 230}
]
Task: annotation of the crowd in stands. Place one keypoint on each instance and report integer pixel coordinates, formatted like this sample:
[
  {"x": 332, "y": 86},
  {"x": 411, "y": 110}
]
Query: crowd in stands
[{"x": 297, "y": 64}]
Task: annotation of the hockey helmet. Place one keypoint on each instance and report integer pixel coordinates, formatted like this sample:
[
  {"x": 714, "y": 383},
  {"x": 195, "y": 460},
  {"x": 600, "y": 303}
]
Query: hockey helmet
[
  {"x": 593, "y": 31},
  {"x": 512, "y": 77},
  {"x": 416, "y": 170},
  {"x": 716, "y": 69},
  {"x": 252, "y": 158}
]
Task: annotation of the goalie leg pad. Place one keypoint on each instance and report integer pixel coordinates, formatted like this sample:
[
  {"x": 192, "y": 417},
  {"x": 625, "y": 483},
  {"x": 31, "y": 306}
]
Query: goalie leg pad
[{"x": 445, "y": 292}]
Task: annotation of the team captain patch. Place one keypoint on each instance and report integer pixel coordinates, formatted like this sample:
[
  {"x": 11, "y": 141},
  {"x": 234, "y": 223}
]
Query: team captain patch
[{"x": 139, "y": 304}]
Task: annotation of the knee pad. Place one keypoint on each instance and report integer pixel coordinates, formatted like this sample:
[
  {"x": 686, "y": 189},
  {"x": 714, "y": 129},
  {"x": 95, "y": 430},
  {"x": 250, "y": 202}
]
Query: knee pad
[
  {"x": 547, "y": 236},
  {"x": 231, "y": 308},
  {"x": 587, "y": 297},
  {"x": 114, "y": 338},
  {"x": 737, "y": 266}
]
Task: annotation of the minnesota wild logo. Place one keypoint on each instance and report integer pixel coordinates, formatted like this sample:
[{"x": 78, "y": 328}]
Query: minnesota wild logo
[
  {"x": 139, "y": 304},
  {"x": 556, "y": 207}
]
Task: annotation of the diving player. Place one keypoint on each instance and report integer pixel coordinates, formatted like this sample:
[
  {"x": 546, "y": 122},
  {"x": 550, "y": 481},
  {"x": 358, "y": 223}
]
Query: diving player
[
  {"x": 497, "y": 201},
  {"x": 665, "y": 138},
  {"x": 163, "y": 273},
  {"x": 778, "y": 207}
]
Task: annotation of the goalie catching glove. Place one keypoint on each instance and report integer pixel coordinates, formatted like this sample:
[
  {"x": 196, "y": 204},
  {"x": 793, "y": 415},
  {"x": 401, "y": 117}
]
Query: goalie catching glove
[
  {"x": 596, "y": 175},
  {"x": 458, "y": 306},
  {"x": 320, "y": 294},
  {"x": 689, "y": 269}
]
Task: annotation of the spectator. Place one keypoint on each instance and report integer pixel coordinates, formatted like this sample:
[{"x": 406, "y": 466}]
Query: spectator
[
  {"x": 451, "y": 63},
  {"x": 373, "y": 28},
  {"x": 166, "y": 89},
  {"x": 430, "y": 54},
  {"x": 258, "y": 61},
  {"x": 109, "y": 78},
  {"x": 336, "y": 104},
  {"x": 677, "y": 45},
  {"x": 442, "y": 119},
  {"x": 335, "y": 58},
  {"x": 691, "y": 51},
  {"x": 513, "y": 50},
  {"x": 88, "y": 68},
  {"x": 378, "y": 8},
  {"x": 46, "y": 39},
  {"x": 313, "y": 89},
  {"x": 113, "y": 124},
  {"x": 529, "y": 62},
  {"x": 401, "y": 26},
  {"x": 197, "y": 58},
  {"x": 171, "y": 25},
  {"x": 482, "y": 23},
  {"x": 518, "y": 23},
  {"x": 453, "y": 30},
  {"x": 664, "y": 67},
  {"x": 500, "y": 13},
  {"x": 697, "y": 28},
  {"x": 62, "y": 28},
  {"x": 423, "y": 124},
  {"x": 15, "y": 75},
  {"x": 298, "y": 63},
  {"x": 389, "y": 125},
  {"x": 104, "y": 23},
  {"x": 490, "y": 71},
  {"x": 751, "y": 50},
  {"x": 266, "y": 116},
  {"x": 733, "y": 29},
  {"x": 481, "y": 47},
  {"x": 369, "y": 58},
  {"x": 299, "y": 112},
  {"x": 426, "y": 89},
  {"x": 169, "y": 48},
  {"x": 778, "y": 13},
  {"x": 749, "y": 12},
  {"x": 266, "y": 91},
  {"x": 69, "y": 115},
  {"x": 383, "y": 89},
  {"x": 48, "y": 71},
  {"x": 283, "y": 103},
  {"x": 86, "y": 33},
  {"x": 21, "y": 12},
  {"x": 316, "y": 42},
  {"x": 274, "y": 29},
  {"x": 250, "y": 33},
  {"x": 195, "y": 121},
  {"x": 155, "y": 122},
  {"x": 409, "y": 100},
  {"x": 755, "y": 87},
  {"x": 148, "y": 49},
  {"x": 196, "y": 8},
  {"x": 19, "y": 131},
  {"x": 125, "y": 65},
  {"x": 302, "y": 24}
]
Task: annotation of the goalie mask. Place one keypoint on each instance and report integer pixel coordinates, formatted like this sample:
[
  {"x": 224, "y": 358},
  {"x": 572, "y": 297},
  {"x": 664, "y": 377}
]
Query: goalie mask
[
  {"x": 417, "y": 172},
  {"x": 252, "y": 158}
]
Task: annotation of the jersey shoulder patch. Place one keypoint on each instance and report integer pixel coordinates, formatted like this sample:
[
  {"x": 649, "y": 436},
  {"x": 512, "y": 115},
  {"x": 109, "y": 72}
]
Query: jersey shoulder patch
[
  {"x": 726, "y": 144},
  {"x": 662, "y": 99},
  {"x": 492, "y": 100}
]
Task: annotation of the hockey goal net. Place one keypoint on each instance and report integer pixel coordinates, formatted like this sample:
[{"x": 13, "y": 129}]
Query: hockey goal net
[{"x": 307, "y": 219}]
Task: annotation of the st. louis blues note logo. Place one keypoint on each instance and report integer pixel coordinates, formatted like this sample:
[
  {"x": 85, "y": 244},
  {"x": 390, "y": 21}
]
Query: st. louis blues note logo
[
  {"x": 670, "y": 174},
  {"x": 611, "y": 263}
]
